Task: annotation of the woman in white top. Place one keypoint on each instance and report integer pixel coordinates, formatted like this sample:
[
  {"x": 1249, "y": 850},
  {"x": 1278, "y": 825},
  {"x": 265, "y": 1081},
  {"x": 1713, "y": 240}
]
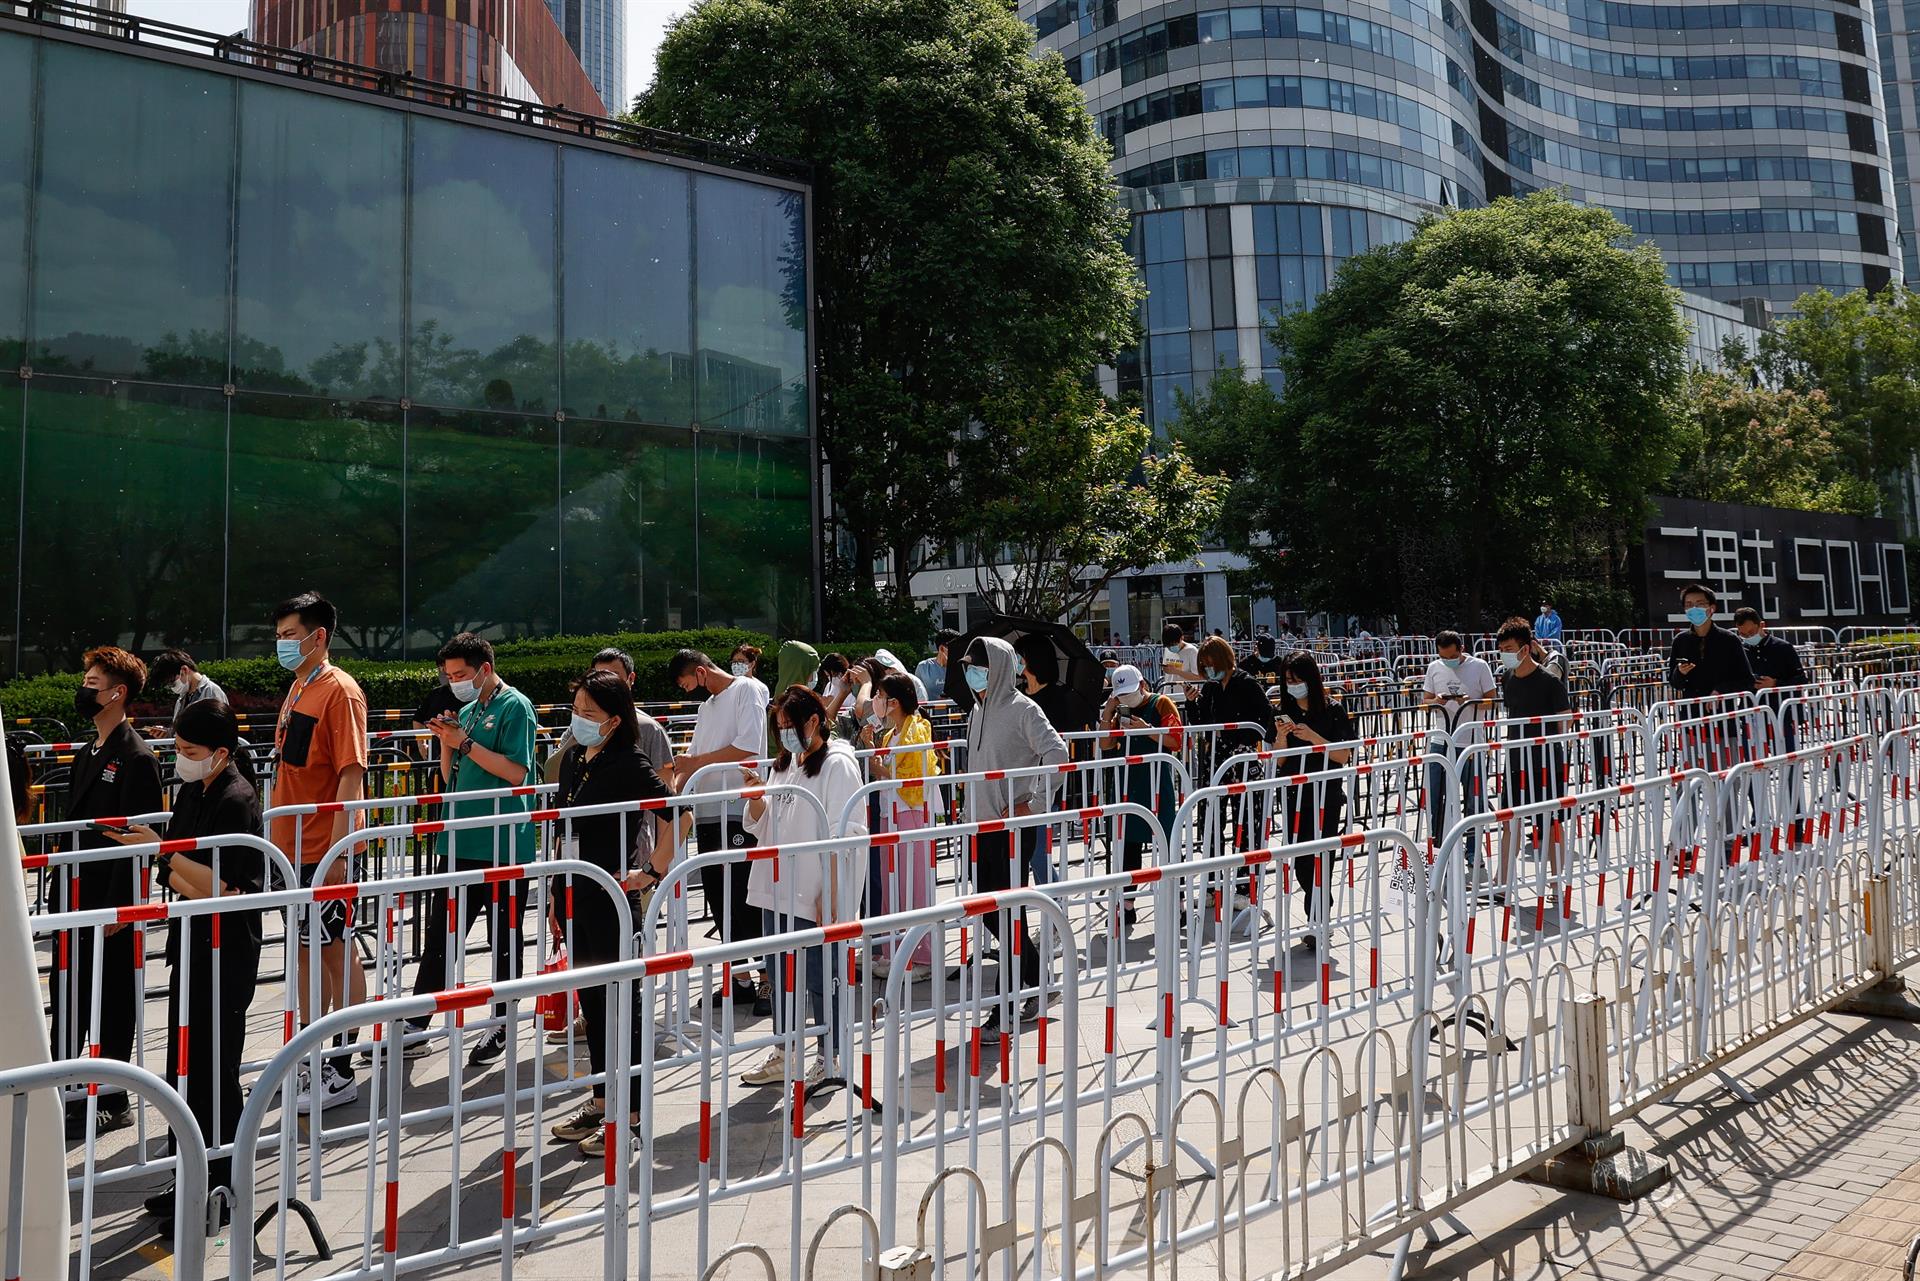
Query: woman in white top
[{"x": 813, "y": 889}]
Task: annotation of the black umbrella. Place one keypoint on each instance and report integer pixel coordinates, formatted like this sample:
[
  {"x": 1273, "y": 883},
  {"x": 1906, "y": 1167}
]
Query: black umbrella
[{"x": 1079, "y": 669}]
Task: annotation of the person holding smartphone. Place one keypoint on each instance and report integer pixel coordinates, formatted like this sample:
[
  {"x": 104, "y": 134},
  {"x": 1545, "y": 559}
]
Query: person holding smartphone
[
  {"x": 208, "y": 1019},
  {"x": 1139, "y": 722},
  {"x": 114, "y": 775},
  {"x": 1459, "y": 692}
]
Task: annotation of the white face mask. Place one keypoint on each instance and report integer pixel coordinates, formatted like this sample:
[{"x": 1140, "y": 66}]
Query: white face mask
[
  {"x": 1510, "y": 661},
  {"x": 585, "y": 732},
  {"x": 180, "y": 688},
  {"x": 740, "y": 670},
  {"x": 1296, "y": 692},
  {"x": 192, "y": 771}
]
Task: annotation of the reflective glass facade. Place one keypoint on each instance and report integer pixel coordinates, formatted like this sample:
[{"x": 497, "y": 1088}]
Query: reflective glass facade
[
  {"x": 1748, "y": 140},
  {"x": 257, "y": 337},
  {"x": 596, "y": 30}
]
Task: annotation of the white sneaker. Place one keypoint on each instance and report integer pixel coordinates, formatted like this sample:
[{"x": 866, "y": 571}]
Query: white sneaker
[
  {"x": 881, "y": 967},
  {"x": 336, "y": 1087},
  {"x": 772, "y": 1071},
  {"x": 816, "y": 1072}
]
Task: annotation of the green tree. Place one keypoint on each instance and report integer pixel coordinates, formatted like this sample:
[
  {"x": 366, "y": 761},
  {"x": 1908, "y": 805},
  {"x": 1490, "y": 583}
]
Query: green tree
[
  {"x": 1739, "y": 443},
  {"x": 1863, "y": 350},
  {"x": 967, "y": 239},
  {"x": 1465, "y": 415},
  {"x": 1062, "y": 484}
]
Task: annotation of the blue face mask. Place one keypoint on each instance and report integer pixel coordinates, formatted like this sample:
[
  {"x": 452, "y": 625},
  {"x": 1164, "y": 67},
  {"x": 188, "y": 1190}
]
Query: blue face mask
[
  {"x": 790, "y": 740},
  {"x": 1753, "y": 641},
  {"x": 290, "y": 653},
  {"x": 585, "y": 732},
  {"x": 466, "y": 691},
  {"x": 1019, "y": 665},
  {"x": 1697, "y": 616},
  {"x": 977, "y": 679},
  {"x": 1212, "y": 673},
  {"x": 1453, "y": 662},
  {"x": 1296, "y": 692}
]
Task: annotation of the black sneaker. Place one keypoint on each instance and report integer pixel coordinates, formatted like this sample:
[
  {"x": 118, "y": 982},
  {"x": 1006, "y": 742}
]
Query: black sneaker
[
  {"x": 762, "y": 1005},
  {"x": 489, "y": 1050},
  {"x": 108, "y": 1117},
  {"x": 219, "y": 1210},
  {"x": 1026, "y": 1012}
]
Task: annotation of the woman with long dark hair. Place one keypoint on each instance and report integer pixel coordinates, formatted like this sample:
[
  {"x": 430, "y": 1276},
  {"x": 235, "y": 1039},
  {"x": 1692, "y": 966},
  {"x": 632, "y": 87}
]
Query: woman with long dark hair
[
  {"x": 216, "y": 797},
  {"x": 605, "y": 765},
  {"x": 1311, "y": 811},
  {"x": 810, "y": 889}
]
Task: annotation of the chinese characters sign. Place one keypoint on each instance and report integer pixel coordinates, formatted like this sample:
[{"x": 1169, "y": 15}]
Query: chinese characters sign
[{"x": 1794, "y": 567}]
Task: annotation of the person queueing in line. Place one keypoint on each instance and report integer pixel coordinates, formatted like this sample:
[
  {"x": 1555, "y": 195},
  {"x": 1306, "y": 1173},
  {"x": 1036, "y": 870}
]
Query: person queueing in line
[
  {"x": 808, "y": 889},
  {"x": 606, "y": 765},
  {"x": 1313, "y": 810},
  {"x": 218, "y": 962},
  {"x": 909, "y": 759},
  {"x": 1150, "y": 723}
]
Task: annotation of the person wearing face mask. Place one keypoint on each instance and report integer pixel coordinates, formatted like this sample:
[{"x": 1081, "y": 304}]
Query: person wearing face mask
[
  {"x": 487, "y": 745},
  {"x": 1535, "y": 770},
  {"x": 1006, "y": 731},
  {"x": 114, "y": 774},
  {"x": 808, "y": 889},
  {"x": 745, "y": 664},
  {"x": 1458, "y": 692},
  {"x": 175, "y": 670},
  {"x": 799, "y": 665},
  {"x": 1706, "y": 659},
  {"x": 910, "y": 758},
  {"x": 833, "y": 685},
  {"x": 1179, "y": 664},
  {"x": 320, "y": 746},
  {"x": 1140, "y": 722},
  {"x": 1037, "y": 664},
  {"x": 212, "y": 987},
  {"x": 1775, "y": 664},
  {"x": 1230, "y": 697},
  {"x": 1547, "y": 627},
  {"x": 933, "y": 671},
  {"x": 650, "y": 733},
  {"x": 605, "y": 764},
  {"x": 1316, "y": 810}
]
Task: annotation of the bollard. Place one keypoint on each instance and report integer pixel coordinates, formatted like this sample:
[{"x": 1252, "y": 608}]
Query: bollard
[
  {"x": 1890, "y": 998},
  {"x": 1603, "y": 1164}
]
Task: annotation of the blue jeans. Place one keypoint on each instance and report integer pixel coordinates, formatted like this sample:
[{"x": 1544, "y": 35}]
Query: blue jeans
[{"x": 809, "y": 978}]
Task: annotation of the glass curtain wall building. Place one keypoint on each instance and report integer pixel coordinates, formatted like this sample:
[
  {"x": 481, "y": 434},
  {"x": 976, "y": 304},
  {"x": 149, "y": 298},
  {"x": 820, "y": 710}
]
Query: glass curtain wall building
[
  {"x": 596, "y": 30},
  {"x": 257, "y": 336},
  {"x": 1259, "y": 146}
]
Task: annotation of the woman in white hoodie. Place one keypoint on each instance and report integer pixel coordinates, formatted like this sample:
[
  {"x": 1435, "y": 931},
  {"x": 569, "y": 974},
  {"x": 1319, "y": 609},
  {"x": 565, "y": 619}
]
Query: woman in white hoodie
[{"x": 813, "y": 889}]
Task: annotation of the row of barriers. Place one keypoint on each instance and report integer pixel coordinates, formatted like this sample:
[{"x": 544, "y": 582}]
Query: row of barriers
[{"x": 1375, "y": 1020}]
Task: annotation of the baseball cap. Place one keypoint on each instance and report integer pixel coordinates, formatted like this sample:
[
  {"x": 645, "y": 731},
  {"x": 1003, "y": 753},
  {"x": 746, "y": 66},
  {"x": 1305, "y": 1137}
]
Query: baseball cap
[
  {"x": 1110, "y": 657},
  {"x": 1126, "y": 680}
]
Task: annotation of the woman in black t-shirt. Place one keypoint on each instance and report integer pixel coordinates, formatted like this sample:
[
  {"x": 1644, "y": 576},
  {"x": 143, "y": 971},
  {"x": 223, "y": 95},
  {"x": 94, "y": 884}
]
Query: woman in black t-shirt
[
  {"x": 605, "y": 765},
  {"x": 216, "y": 798},
  {"x": 1311, "y": 811}
]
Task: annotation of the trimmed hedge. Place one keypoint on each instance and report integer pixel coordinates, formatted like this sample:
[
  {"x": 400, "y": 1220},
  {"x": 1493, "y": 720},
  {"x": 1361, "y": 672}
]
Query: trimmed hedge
[{"x": 542, "y": 669}]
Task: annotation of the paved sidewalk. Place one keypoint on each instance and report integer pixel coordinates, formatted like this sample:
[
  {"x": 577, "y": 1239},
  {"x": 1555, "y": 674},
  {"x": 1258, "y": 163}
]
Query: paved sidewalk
[{"x": 1814, "y": 1181}]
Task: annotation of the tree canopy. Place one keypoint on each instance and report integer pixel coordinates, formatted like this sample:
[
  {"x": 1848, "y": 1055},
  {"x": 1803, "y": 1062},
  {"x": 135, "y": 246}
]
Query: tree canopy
[
  {"x": 967, "y": 239},
  {"x": 1464, "y": 414},
  {"x": 1741, "y": 443}
]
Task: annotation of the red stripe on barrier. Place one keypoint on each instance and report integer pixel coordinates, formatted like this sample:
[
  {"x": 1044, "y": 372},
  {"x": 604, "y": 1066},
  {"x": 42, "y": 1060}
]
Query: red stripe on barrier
[
  {"x": 1144, "y": 875},
  {"x": 973, "y": 1054},
  {"x": 1110, "y": 1041},
  {"x": 1276, "y": 991},
  {"x": 759, "y": 852},
  {"x": 1255, "y": 858},
  {"x": 939, "y": 1065},
  {"x": 181, "y": 1069},
  {"x": 31, "y": 861},
  {"x": 1373, "y": 967},
  {"x": 668, "y": 963},
  {"x": 607, "y": 1157},
  {"x": 1326, "y": 983},
  {"x": 543, "y": 816},
  {"x": 431, "y": 798},
  {"x": 328, "y": 807},
  {"x": 980, "y": 904},
  {"x": 1088, "y": 815},
  {"x": 179, "y": 846},
  {"x": 844, "y": 932},
  {"x": 1223, "y": 1002},
  {"x": 390, "y": 1241},
  {"x": 141, "y": 912},
  {"x": 884, "y": 840},
  {"x": 494, "y": 875},
  {"x": 461, "y": 998},
  {"x": 213, "y": 930},
  {"x": 525, "y": 791},
  {"x": 286, "y": 1028},
  {"x": 1006, "y": 1055},
  {"x": 1166, "y": 1019},
  {"x": 507, "y": 1159},
  {"x": 706, "y": 1131},
  {"x": 345, "y": 892},
  {"x": 428, "y": 829},
  {"x": 1602, "y": 900}
]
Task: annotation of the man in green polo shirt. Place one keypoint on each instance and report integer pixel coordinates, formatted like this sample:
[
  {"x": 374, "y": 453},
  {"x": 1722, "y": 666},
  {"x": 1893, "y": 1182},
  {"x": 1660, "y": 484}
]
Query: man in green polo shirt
[{"x": 488, "y": 744}]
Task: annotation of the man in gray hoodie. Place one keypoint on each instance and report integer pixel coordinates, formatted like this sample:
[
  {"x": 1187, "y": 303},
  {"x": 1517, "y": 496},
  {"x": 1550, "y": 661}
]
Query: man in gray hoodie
[{"x": 1007, "y": 730}]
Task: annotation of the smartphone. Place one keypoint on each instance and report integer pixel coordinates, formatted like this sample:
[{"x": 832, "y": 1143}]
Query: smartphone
[{"x": 115, "y": 828}]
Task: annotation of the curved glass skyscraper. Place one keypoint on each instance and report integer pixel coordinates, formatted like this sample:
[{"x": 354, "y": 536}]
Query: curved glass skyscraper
[{"x": 1261, "y": 145}]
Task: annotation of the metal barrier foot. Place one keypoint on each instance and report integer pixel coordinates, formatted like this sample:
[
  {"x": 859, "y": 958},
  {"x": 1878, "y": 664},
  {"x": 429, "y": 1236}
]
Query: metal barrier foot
[
  {"x": 1604, "y": 1166},
  {"x": 321, "y": 1249},
  {"x": 1890, "y": 998}
]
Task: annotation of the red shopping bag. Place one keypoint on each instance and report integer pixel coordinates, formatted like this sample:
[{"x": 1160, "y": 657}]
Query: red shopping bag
[{"x": 557, "y": 1008}]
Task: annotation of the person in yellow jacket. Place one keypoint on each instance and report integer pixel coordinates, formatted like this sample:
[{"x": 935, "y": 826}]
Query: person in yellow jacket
[{"x": 908, "y": 738}]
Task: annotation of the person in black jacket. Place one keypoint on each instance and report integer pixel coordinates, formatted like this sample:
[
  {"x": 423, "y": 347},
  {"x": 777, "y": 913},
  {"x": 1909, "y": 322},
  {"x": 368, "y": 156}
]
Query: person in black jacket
[
  {"x": 1229, "y": 697},
  {"x": 1069, "y": 712},
  {"x": 1776, "y": 667},
  {"x": 1705, "y": 659},
  {"x": 1317, "y": 810},
  {"x": 114, "y": 776},
  {"x": 605, "y": 765},
  {"x": 216, "y": 798},
  {"x": 1264, "y": 665}
]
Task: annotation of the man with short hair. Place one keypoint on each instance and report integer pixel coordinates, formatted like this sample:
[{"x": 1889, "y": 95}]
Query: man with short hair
[
  {"x": 1458, "y": 691},
  {"x": 932, "y": 672},
  {"x": 1547, "y": 626},
  {"x": 175, "y": 669},
  {"x": 114, "y": 776},
  {"x": 1179, "y": 664},
  {"x": 731, "y": 726},
  {"x": 650, "y": 737},
  {"x": 487, "y": 745},
  {"x": 1776, "y": 669},
  {"x": 320, "y": 744},
  {"x": 1536, "y": 772},
  {"x": 1706, "y": 659}
]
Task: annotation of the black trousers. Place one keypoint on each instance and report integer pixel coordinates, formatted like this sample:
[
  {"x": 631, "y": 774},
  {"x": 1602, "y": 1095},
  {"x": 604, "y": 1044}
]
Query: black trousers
[
  {"x": 993, "y": 872},
  {"x": 112, "y": 1032},
  {"x": 725, "y": 886},
  {"x": 213, "y": 1072},
  {"x": 505, "y": 907}
]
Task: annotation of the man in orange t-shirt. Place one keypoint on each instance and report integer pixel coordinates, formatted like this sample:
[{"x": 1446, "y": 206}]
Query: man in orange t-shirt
[{"x": 320, "y": 746}]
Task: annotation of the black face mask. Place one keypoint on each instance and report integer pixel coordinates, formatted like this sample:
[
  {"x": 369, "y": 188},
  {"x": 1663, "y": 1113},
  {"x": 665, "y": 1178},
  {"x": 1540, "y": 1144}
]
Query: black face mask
[{"x": 86, "y": 702}]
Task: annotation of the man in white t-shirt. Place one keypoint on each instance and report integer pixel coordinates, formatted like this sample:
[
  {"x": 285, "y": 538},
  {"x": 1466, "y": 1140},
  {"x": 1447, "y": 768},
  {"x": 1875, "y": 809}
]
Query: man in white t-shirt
[
  {"x": 730, "y": 726},
  {"x": 1461, "y": 692},
  {"x": 1179, "y": 664}
]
